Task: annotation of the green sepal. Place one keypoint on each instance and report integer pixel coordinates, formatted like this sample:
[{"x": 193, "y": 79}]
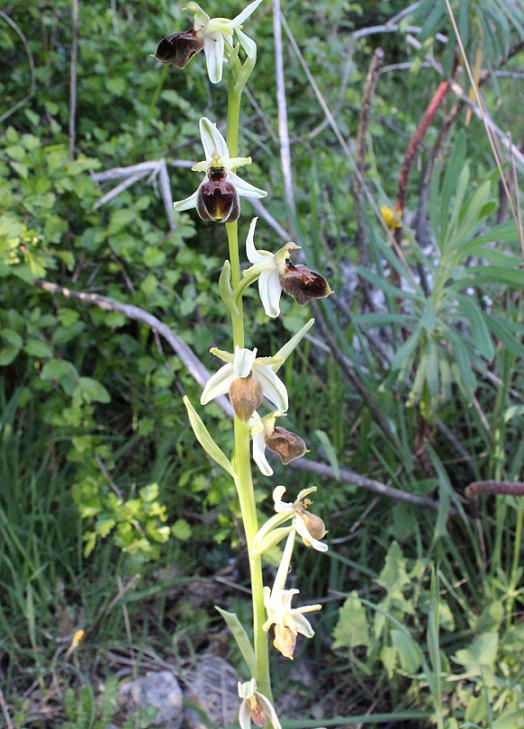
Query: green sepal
[
  {"x": 293, "y": 343},
  {"x": 270, "y": 540},
  {"x": 206, "y": 441},
  {"x": 242, "y": 640},
  {"x": 224, "y": 287}
]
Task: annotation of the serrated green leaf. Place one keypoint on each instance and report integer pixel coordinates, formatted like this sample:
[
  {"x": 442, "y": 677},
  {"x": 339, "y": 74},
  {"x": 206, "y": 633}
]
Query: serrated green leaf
[
  {"x": 352, "y": 628},
  {"x": 409, "y": 654}
]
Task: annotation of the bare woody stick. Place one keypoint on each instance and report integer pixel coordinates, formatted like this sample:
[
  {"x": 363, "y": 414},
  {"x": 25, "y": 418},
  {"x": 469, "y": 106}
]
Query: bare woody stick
[
  {"x": 360, "y": 155},
  {"x": 507, "y": 488}
]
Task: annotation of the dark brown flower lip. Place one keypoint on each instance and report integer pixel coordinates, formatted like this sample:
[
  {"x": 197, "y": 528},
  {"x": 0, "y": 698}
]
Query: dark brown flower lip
[
  {"x": 303, "y": 284},
  {"x": 178, "y": 49},
  {"x": 217, "y": 198},
  {"x": 286, "y": 444}
]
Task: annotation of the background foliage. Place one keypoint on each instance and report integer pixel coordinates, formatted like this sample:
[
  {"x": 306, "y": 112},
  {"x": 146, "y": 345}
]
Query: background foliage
[{"x": 413, "y": 377}]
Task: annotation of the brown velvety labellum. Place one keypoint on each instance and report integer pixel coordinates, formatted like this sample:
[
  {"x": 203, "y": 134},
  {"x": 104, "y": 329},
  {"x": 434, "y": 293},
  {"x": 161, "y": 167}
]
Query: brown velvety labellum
[
  {"x": 246, "y": 394},
  {"x": 179, "y": 48},
  {"x": 303, "y": 284},
  {"x": 217, "y": 198},
  {"x": 288, "y": 445}
]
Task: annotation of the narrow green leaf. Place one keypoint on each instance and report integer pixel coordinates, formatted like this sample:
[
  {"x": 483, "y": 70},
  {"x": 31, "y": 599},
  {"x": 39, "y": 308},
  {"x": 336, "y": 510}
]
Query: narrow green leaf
[
  {"x": 496, "y": 275},
  {"x": 385, "y": 286},
  {"x": 242, "y": 639},
  {"x": 479, "y": 330},
  {"x": 330, "y": 451},
  {"x": 206, "y": 441},
  {"x": 508, "y": 333},
  {"x": 407, "y": 349}
]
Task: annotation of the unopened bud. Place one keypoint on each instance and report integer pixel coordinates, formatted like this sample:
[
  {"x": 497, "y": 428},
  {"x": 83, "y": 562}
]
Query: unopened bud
[
  {"x": 246, "y": 394},
  {"x": 258, "y": 714},
  {"x": 285, "y": 640},
  {"x": 179, "y": 48},
  {"x": 288, "y": 445},
  {"x": 217, "y": 197},
  {"x": 302, "y": 283}
]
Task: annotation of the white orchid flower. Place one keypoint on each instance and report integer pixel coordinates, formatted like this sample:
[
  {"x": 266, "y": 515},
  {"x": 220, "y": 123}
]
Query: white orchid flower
[
  {"x": 255, "y": 707},
  {"x": 269, "y": 267},
  {"x": 214, "y": 35},
  {"x": 217, "y": 197},
  {"x": 309, "y": 526},
  {"x": 288, "y": 621},
  {"x": 276, "y": 273},
  {"x": 245, "y": 364},
  {"x": 258, "y": 436}
]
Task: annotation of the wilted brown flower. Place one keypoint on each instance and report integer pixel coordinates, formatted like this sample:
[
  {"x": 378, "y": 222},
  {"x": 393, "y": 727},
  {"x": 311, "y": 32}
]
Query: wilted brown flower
[{"x": 288, "y": 445}]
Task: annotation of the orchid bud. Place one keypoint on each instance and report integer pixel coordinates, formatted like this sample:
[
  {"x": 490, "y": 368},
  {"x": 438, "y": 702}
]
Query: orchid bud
[
  {"x": 217, "y": 197},
  {"x": 246, "y": 394},
  {"x": 179, "y": 48},
  {"x": 285, "y": 640},
  {"x": 288, "y": 445},
  {"x": 258, "y": 715},
  {"x": 302, "y": 283}
]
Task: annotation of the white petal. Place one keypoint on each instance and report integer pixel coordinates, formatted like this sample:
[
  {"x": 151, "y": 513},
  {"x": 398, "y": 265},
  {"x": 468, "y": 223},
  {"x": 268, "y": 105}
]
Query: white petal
[
  {"x": 214, "y": 50},
  {"x": 269, "y": 711},
  {"x": 249, "y": 46},
  {"x": 218, "y": 384},
  {"x": 304, "y": 533},
  {"x": 270, "y": 290},
  {"x": 188, "y": 203},
  {"x": 259, "y": 453},
  {"x": 274, "y": 389},
  {"x": 253, "y": 256},
  {"x": 243, "y": 188},
  {"x": 244, "y": 15},
  {"x": 302, "y": 494},
  {"x": 281, "y": 506},
  {"x": 244, "y": 361},
  {"x": 212, "y": 141},
  {"x": 247, "y": 689},
  {"x": 303, "y": 625},
  {"x": 244, "y": 716}
]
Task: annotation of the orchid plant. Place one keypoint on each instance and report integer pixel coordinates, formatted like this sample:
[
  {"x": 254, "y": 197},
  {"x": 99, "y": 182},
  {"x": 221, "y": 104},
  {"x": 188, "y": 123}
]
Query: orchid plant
[{"x": 249, "y": 379}]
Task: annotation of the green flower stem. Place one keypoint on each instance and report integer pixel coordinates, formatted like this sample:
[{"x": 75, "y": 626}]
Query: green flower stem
[{"x": 246, "y": 492}]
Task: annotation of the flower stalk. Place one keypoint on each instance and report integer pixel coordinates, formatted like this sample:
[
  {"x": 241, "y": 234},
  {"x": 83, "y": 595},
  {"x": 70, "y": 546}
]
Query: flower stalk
[
  {"x": 246, "y": 492},
  {"x": 245, "y": 377}
]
